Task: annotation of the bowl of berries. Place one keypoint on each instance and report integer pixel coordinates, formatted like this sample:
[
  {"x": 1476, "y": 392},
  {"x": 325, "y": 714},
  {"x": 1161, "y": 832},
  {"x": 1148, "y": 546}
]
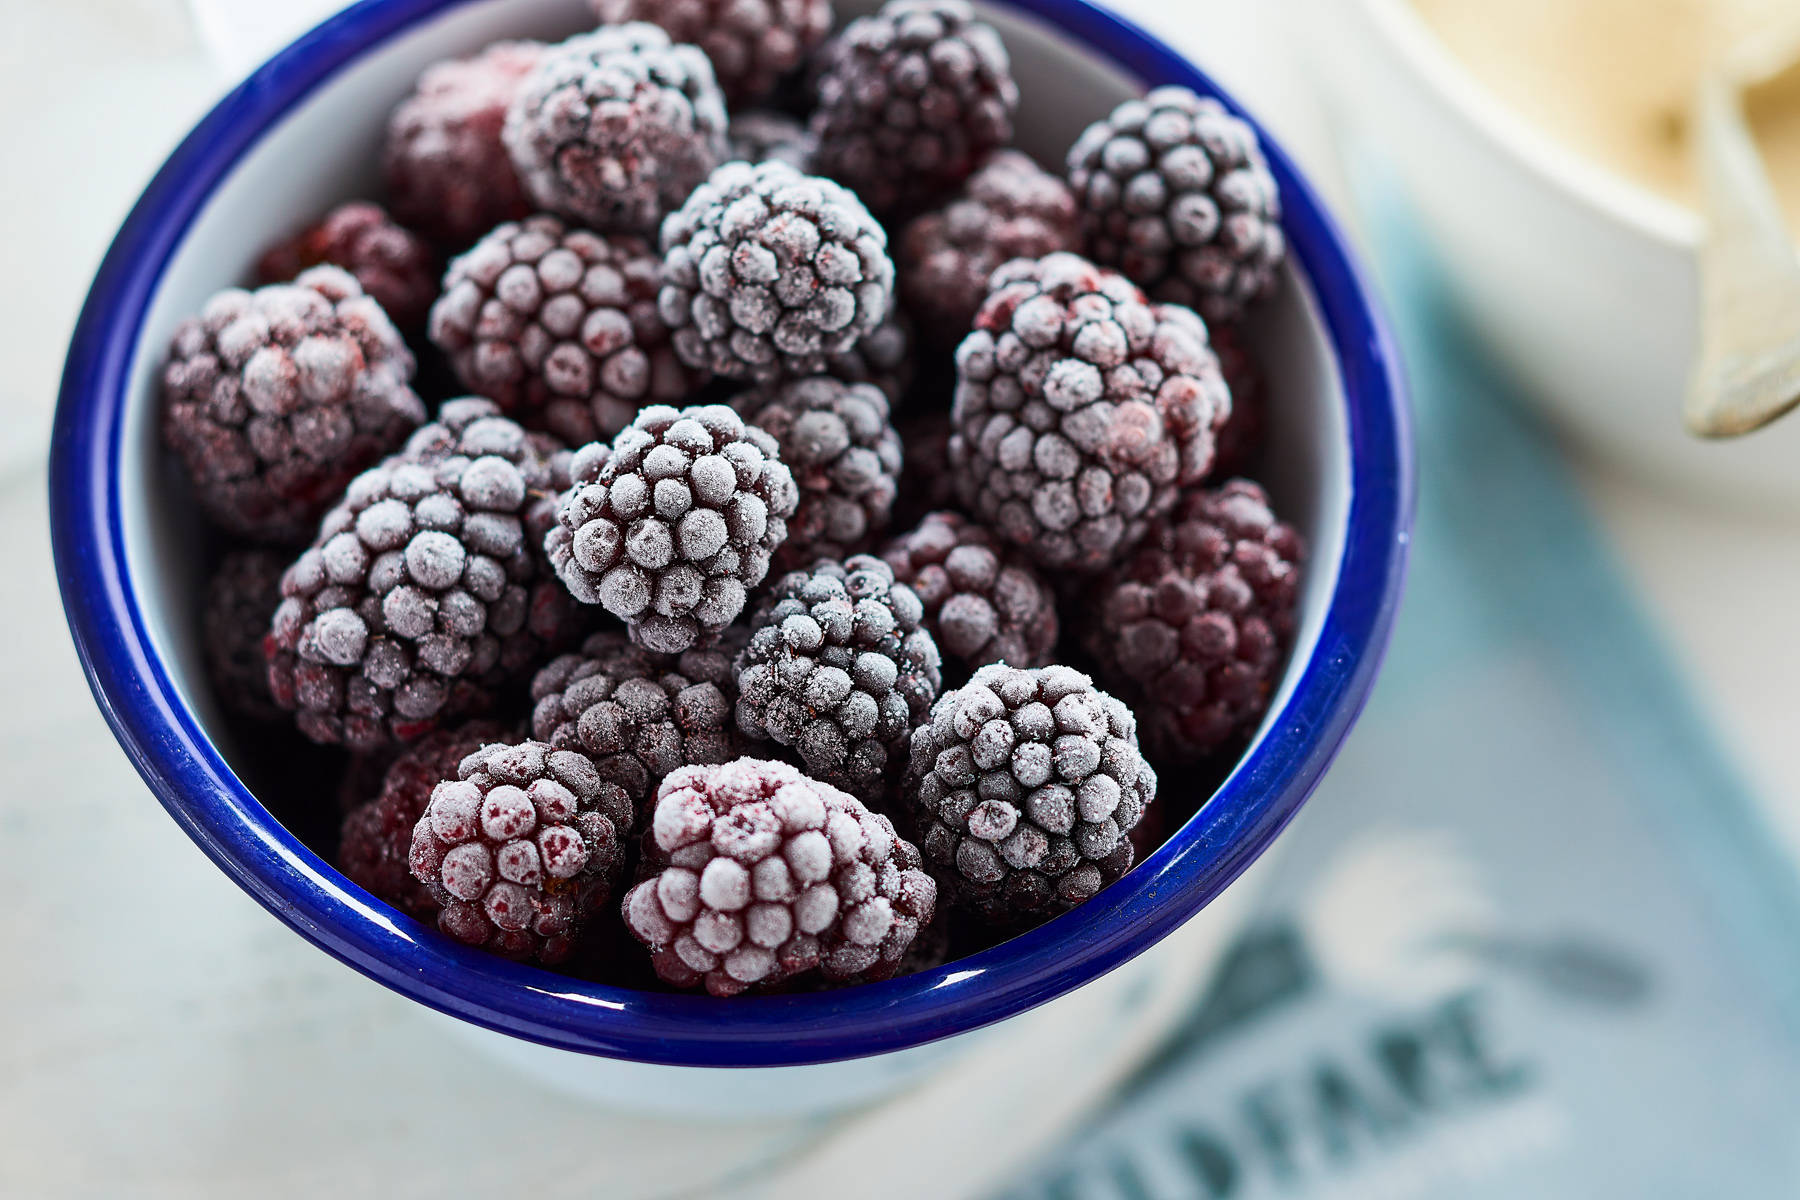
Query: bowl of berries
[{"x": 704, "y": 536}]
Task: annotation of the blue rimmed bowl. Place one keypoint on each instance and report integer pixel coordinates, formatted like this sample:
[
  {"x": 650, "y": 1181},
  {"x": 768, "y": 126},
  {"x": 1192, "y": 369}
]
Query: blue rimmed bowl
[{"x": 302, "y": 133}]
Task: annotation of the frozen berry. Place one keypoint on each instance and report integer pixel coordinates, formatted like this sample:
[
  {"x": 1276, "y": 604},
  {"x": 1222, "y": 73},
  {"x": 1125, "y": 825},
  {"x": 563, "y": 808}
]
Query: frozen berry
[
  {"x": 752, "y": 43},
  {"x": 1175, "y": 192},
  {"x": 760, "y": 876},
  {"x": 521, "y": 849},
  {"x": 1010, "y": 208},
  {"x": 883, "y": 357},
  {"x": 614, "y": 128},
  {"x": 984, "y": 601},
  {"x": 560, "y": 327},
  {"x": 392, "y": 263},
  {"x": 845, "y": 456},
  {"x": 910, "y": 100},
  {"x": 1198, "y": 622},
  {"x": 839, "y": 667},
  {"x": 768, "y": 272},
  {"x": 424, "y": 592},
  {"x": 1081, "y": 409},
  {"x": 637, "y": 714},
  {"x": 448, "y": 173},
  {"x": 240, "y": 598},
  {"x": 670, "y": 527},
  {"x": 275, "y": 399},
  {"x": 1027, "y": 785}
]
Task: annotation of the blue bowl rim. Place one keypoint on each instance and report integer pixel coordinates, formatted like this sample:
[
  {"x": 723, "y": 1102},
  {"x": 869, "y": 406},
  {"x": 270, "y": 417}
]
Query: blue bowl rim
[{"x": 165, "y": 740}]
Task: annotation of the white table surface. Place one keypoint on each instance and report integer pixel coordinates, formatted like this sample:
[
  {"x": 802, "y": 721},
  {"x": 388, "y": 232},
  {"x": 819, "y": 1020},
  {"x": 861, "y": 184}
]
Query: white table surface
[{"x": 163, "y": 1036}]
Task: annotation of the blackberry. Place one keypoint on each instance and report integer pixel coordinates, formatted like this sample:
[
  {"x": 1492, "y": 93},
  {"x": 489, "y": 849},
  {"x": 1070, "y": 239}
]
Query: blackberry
[
  {"x": 392, "y": 263},
  {"x": 521, "y": 849},
  {"x": 839, "y": 667},
  {"x": 1175, "y": 192},
  {"x": 752, "y": 43},
  {"x": 760, "y": 876},
  {"x": 448, "y": 173},
  {"x": 560, "y": 327},
  {"x": 1028, "y": 784},
  {"x": 984, "y": 602},
  {"x": 1081, "y": 409},
  {"x": 845, "y": 456},
  {"x": 275, "y": 399},
  {"x": 768, "y": 272},
  {"x": 1198, "y": 622},
  {"x": 763, "y": 135},
  {"x": 422, "y": 595},
  {"x": 910, "y": 100},
  {"x": 615, "y": 127},
  {"x": 671, "y": 527},
  {"x": 376, "y": 841},
  {"x": 1010, "y": 208},
  {"x": 240, "y": 598},
  {"x": 883, "y": 357},
  {"x": 1241, "y": 437},
  {"x": 927, "y": 484},
  {"x": 637, "y": 714}
]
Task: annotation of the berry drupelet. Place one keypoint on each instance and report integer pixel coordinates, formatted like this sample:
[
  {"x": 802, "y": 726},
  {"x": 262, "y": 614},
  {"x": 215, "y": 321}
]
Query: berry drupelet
[
  {"x": 840, "y": 668},
  {"x": 559, "y": 326},
  {"x": 275, "y": 399},
  {"x": 1197, "y": 624},
  {"x": 751, "y": 43},
  {"x": 670, "y": 527},
  {"x": 1175, "y": 192},
  {"x": 637, "y": 714},
  {"x": 760, "y": 876},
  {"x": 1027, "y": 784},
  {"x": 845, "y": 456},
  {"x": 614, "y": 128},
  {"x": 984, "y": 602},
  {"x": 1081, "y": 409},
  {"x": 520, "y": 850},
  {"x": 910, "y": 99},
  {"x": 423, "y": 593},
  {"x": 392, "y": 263},
  {"x": 1010, "y": 208},
  {"x": 448, "y": 173},
  {"x": 768, "y": 272}
]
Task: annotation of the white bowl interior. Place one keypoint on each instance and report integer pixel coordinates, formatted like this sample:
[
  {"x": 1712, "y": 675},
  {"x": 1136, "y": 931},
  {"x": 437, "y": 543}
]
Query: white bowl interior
[{"x": 325, "y": 152}]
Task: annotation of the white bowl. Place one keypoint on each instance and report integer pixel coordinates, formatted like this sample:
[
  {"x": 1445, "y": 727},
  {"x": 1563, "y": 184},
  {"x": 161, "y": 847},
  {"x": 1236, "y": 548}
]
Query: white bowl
[{"x": 1581, "y": 283}]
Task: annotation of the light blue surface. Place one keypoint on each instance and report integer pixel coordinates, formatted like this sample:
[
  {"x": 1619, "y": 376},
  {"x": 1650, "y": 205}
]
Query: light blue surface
[{"x": 1566, "y": 968}]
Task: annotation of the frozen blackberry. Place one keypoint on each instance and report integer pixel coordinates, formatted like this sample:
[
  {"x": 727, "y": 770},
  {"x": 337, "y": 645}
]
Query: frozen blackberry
[
  {"x": 376, "y": 841},
  {"x": 910, "y": 100},
  {"x": 763, "y": 135},
  {"x": 1010, "y": 208},
  {"x": 670, "y": 527},
  {"x": 1081, "y": 409},
  {"x": 984, "y": 602},
  {"x": 392, "y": 263},
  {"x": 521, "y": 849},
  {"x": 752, "y": 43},
  {"x": 448, "y": 173},
  {"x": 1027, "y": 785},
  {"x": 760, "y": 876},
  {"x": 768, "y": 272},
  {"x": 1175, "y": 192},
  {"x": 637, "y": 714},
  {"x": 1241, "y": 437},
  {"x": 1198, "y": 623},
  {"x": 927, "y": 484},
  {"x": 560, "y": 326},
  {"x": 883, "y": 357},
  {"x": 845, "y": 456},
  {"x": 423, "y": 594},
  {"x": 614, "y": 128},
  {"x": 839, "y": 667},
  {"x": 275, "y": 399},
  {"x": 240, "y": 598}
]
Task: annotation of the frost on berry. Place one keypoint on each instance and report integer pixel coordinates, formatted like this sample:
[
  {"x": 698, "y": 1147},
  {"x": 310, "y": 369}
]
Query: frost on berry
[
  {"x": 750, "y": 43},
  {"x": 984, "y": 601}
]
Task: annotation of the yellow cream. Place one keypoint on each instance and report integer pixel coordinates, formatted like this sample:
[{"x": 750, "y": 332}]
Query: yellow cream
[{"x": 1612, "y": 79}]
